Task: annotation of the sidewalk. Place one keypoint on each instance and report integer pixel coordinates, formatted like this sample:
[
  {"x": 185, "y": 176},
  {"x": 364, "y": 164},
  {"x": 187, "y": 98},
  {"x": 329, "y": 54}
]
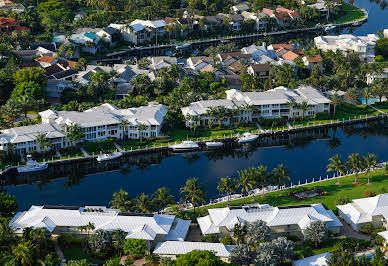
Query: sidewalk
[
  {"x": 86, "y": 154},
  {"x": 60, "y": 254},
  {"x": 377, "y": 109},
  {"x": 118, "y": 147}
]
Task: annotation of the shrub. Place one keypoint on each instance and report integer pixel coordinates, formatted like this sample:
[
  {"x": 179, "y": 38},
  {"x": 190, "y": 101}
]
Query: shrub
[
  {"x": 128, "y": 261},
  {"x": 293, "y": 238},
  {"x": 136, "y": 248},
  {"x": 367, "y": 228},
  {"x": 153, "y": 259},
  {"x": 100, "y": 241},
  {"x": 342, "y": 200},
  {"x": 369, "y": 193},
  {"x": 112, "y": 261},
  {"x": 267, "y": 122},
  {"x": 379, "y": 240},
  {"x": 213, "y": 238},
  {"x": 382, "y": 190},
  {"x": 65, "y": 240},
  {"x": 227, "y": 240}
]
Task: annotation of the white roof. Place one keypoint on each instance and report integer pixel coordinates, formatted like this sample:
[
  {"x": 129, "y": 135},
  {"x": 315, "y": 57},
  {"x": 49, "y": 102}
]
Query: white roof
[
  {"x": 384, "y": 235},
  {"x": 301, "y": 215},
  {"x": 317, "y": 260},
  {"x": 29, "y": 133},
  {"x": 362, "y": 210},
  {"x": 137, "y": 226},
  {"x": 183, "y": 247}
]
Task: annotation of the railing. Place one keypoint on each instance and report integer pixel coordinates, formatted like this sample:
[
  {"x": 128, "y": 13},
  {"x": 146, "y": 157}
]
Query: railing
[{"x": 257, "y": 191}]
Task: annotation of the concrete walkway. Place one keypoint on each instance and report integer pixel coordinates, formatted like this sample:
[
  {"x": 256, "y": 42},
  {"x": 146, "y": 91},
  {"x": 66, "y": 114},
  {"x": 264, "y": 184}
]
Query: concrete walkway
[
  {"x": 118, "y": 147},
  {"x": 289, "y": 125},
  {"x": 60, "y": 254},
  {"x": 381, "y": 111},
  {"x": 259, "y": 127},
  {"x": 86, "y": 154}
]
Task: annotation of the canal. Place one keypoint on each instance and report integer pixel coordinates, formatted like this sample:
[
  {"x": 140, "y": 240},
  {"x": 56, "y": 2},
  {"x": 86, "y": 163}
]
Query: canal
[{"x": 91, "y": 183}]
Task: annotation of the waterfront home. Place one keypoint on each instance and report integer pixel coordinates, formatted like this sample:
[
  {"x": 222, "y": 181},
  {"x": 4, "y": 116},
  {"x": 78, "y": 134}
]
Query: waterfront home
[
  {"x": 363, "y": 45},
  {"x": 372, "y": 77},
  {"x": 158, "y": 27},
  {"x": 68, "y": 219},
  {"x": 250, "y": 106},
  {"x": 134, "y": 33},
  {"x": 88, "y": 40},
  {"x": 372, "y": 210},
  {"x": 261, "y": 19},
  {"x": 227, "y": 59},
  {"x": 109, "y": 35},
  {"x": 238, "y": 9},
  {"x": 97, "y": 123},
  {"x": 261, "y": 71},
  {"x": 282, "y": 15},
  {"x": 172, "y": 249},
  {"x": 311, "y": 61},
  {"x": 317, "y": 260},
  {"x": 283, "y": 220}
]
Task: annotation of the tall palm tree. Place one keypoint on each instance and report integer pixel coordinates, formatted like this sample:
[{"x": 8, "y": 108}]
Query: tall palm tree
[
  {"x": 262, "y": 176},
  {"x": 370, "y": 162},
  {"x": 23, "y": 253},
  {"x": 335, "y": 101},
  {"x": 194, "y": 192},
  {"x": 143, "y": 203},
  {"x": 121, "y": 201},
  {"x": 42, "y": 141},
  {"x": 304, "y": 107},
  {"x": 329, "y": 5},
  {"x": 26, "y": 102},
  {"x": 367, "y": 94},
  {"x": 74, "y": 133},
  {"x": 140, "y": 129},
  {"x": 90, "y": 227},
  {"x": 336, "y": 165},
  {"x": 10, "y": 111},
  {"x": 354, "y": 164},
  {"x": 379, "y": 90},
  {"x": 163, "y": 197},
  {"x": 227, "y": 185},
  {"x": 281, "y": 174},
  {"x": 245, "y": 182},
  {"x": 124, "y": 123}
]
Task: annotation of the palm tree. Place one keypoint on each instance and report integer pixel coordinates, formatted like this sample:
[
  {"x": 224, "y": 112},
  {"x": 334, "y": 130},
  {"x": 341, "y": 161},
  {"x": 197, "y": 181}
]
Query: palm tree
[
  {"x": 336, "y": 165},
  {"x": 163, "y": 197},
  {"x": 370, "y": 162},
  {"x": 281, "y": 174},
  {"x": 124, "y": 123},
  {"x": 329, "y": 5},
  {"x": 245, "y": 182},
  {"x": 90, "y": 227},
  {"x": 143, "y": 203},
  {"x": 354, "y": 164},
  {"x": 121, "y": 201},
  {"x": 304, "y": 107},
  {"x": 194, "y": 192},
  {"x": 10, "y": 111},
  {"x": 26, "y": 102},
  {"x": 379, "y": 90},
  {"x": 42, "y": 141},
  {"x": 140, "y": 129},
  {"x": 23, "y": 253},
  {"x": 262, "y": 176},
  {"x": 74, "y": 133},
  {"x": 335, "y": 100},
  {"x": 367, "y": 94},
  {"x": 227, "y": 185}
]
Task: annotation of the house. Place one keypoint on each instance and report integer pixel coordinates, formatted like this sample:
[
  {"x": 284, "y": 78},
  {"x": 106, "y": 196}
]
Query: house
[
  {"x": 65, "y": 219},
  {"x": 238, "y": 9},
  {"x": 98, "y": 123},
  {"x": 158, "y": 27},
  {"x": 385, "y": 33},
  {"x": 227, "y": 59},
  {"x": 261, "y": 71},
  {"x": 172, "y": 249},
  {"x": 311, "y": 61},
  {"x": 320, "y": 7},
  {"x": 55, "y": 87},
  {"x": 29, "y": 55},
  {"x": 134, "y": 33},
  {"x": 8, "y": 24},
  {"x": 372, "y": 77},
  {"x": 384, "y": 235},
  {"x": 282, "y": 15},
  {"x": 237, "y": 22},
  {"x": 158, "y": 62},
  {"x": 283, "y": 220},
  {"x": 199, "y": 62},
  {"x": 268, "y": 104},
  {"x": 255, "y": 51},
  {"x": 372, "y": 210},
  {"x": 363, "y": 45},
  {"x": 88, "y": 40},
  {"x": 260, "y": 19},
  {"x": 317, "y": 260},
  {"x": 109, "y": 35}
]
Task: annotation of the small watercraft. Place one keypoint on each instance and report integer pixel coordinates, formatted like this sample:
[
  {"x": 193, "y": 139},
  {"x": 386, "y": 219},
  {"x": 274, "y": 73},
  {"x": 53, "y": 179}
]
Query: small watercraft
[
  {"x": 186, "y": 145},
  {"x": 329, "y": 27},
  {"x": 247, "y": 137},
  {"x": 32, "y": 166},
  {"x": 109, "y": 156},
  {"x": 214, "y": 144}
]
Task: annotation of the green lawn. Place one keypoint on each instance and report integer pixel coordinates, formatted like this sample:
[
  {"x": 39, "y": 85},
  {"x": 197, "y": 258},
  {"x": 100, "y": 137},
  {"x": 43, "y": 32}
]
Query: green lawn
[
  {"x": 76, "y": 253},
  {"x": 97, "y": 146},
  {"x": 349, "y": 13},
  {"x": 382, "y": 106},
  {"x": 332, "y": 191}
]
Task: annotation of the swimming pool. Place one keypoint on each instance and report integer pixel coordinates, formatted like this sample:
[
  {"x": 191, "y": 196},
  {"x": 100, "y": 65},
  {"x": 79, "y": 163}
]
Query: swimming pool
[
  {"x": 58, "y": 38},
  {"x": 370, "y": 101}
]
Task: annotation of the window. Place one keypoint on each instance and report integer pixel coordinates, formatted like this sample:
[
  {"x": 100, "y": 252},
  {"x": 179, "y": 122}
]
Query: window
[{"x": 265, "y": 106}]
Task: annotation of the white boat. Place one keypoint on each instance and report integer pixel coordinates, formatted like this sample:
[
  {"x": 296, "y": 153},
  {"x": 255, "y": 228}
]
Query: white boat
[
  {"x": 182, "y": 46},
  {"x": 32, "y": 166},
  {"x": 247, "y": 137},
  {"x": 214, "y": 144},
  {"x": 186, "y": 145},
  {"x": 329, "y": 27},
  {"x": 109, "y": 156}
]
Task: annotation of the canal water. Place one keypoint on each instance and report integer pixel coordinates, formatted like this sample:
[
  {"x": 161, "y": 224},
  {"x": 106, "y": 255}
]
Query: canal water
[{"x": 90, "y": 183}]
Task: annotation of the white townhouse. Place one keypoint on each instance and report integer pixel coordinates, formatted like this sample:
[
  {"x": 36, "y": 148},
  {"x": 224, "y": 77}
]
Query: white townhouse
[
  {"x": 363, "y": 45},
  {"x": 372, "y": 210},
  {"x": 282, "y": 220},
  {"x": 64, "y": 219},
  {"x": 172, "y": 249},
  {"x": 98, "y": 123},
  {"x": 269, "y": 104},
  {"x": 134, "y": 33},
  {"x": 372, "y": 77}
]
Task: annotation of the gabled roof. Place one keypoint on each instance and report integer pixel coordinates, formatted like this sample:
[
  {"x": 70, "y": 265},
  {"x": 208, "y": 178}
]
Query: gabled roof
[
  {"x": 183, "y": 247},
  {"x": 317, "y": 260}
]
